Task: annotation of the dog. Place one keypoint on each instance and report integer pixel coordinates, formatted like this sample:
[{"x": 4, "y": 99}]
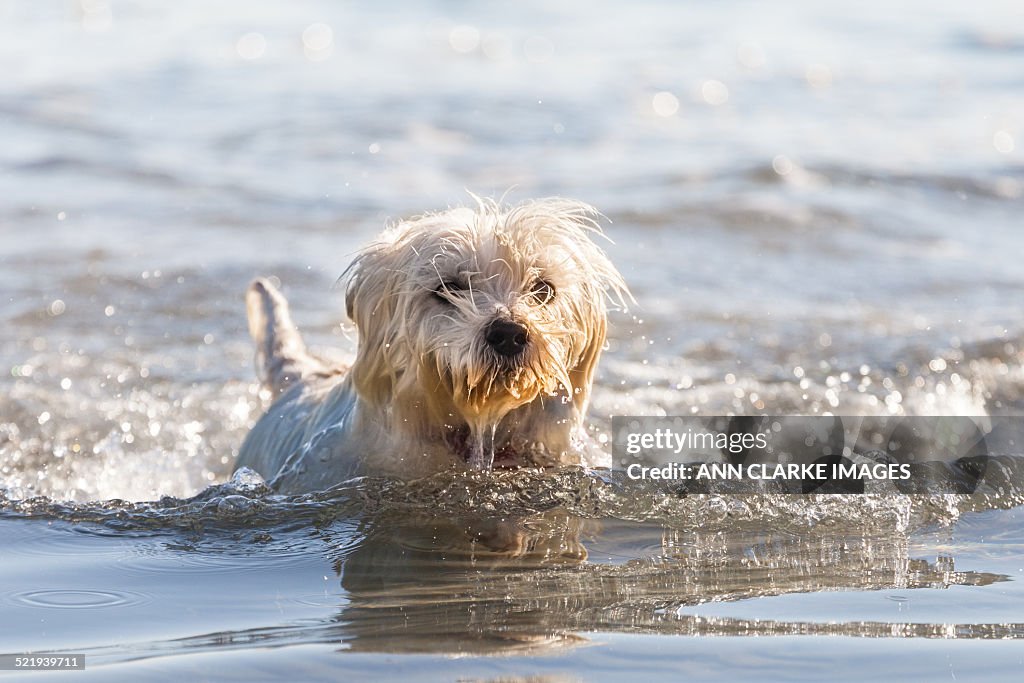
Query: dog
[{"x": 479, "y": 331}]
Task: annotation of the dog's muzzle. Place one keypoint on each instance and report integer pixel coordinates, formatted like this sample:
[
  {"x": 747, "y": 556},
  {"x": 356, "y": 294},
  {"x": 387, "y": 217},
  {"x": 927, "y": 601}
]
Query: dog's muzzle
[{"x": 506, "y": 338}]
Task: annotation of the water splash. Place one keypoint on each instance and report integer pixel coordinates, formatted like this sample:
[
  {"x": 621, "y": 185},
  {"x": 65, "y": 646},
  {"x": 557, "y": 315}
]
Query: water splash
[{"x": 246, "y": 501}]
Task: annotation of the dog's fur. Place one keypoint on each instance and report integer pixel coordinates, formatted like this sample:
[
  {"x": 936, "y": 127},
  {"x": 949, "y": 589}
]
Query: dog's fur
[{"x": 479, "y": 333}]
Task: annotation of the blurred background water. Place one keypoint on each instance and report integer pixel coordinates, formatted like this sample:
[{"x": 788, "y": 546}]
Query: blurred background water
[{"x": 817, "y": 207}]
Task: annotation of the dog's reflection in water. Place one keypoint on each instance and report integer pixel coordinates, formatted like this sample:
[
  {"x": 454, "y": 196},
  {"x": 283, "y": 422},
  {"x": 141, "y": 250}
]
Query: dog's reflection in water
[
  {"x": 427, "y": 584},
  {"x": 499, "y": 585}
]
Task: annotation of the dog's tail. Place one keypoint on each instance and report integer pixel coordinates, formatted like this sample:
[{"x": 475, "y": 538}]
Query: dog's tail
[{"x": 281, "y": 355}]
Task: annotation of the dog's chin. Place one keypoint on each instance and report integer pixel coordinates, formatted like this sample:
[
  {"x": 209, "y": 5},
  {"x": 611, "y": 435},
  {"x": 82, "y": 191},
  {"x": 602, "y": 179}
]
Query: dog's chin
[
  {"x": 485, "y": 395},
  {"x": 482, "y": 410},
  {"x": 483, "y": 405}
]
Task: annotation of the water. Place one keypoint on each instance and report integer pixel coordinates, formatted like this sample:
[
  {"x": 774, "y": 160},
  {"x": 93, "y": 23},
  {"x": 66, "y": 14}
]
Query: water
[{"x": 816, "y": 208}]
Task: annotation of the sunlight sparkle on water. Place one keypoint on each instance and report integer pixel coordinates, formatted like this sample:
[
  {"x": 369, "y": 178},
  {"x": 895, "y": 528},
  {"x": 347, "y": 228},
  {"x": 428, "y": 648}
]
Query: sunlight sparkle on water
[
  {"x": 1003, "y": 142},
  {"x": 496, "y": 48},
  {"x": 251, "y": 46},
  {"x": 714, "y": 92},
  {"x": 665, "y": 104},
  {"x": 782, "y": 165},
  {"x": 818, "y": 76},
  {"x": 464, "y": 38},
  {"x": 317, "y": 41}
]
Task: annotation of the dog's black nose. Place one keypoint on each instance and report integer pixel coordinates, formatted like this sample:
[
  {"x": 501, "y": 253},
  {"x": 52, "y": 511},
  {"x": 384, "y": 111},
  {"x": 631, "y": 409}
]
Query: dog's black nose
[{"x": 506, "y": 337}]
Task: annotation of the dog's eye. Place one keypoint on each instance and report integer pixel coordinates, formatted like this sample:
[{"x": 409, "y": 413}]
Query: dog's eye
[
  {"x": 542, "y": 291},
  {"x": 447, "y": 288}
]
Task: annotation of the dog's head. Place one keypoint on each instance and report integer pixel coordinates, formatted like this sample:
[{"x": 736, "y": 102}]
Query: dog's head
[{"x": 468, "y": 314}]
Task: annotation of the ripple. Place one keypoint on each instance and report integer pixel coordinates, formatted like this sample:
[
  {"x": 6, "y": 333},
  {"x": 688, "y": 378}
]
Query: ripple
[
  {"x": 78, "y": 599},
  {"x": 218, "y": 554},
  {"x": 57, "y": 538},
  {"x": 332, "y": 600}
]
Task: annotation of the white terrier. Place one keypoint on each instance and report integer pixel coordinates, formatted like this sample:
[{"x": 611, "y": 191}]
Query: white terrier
[{"x": 479, "y": 333}]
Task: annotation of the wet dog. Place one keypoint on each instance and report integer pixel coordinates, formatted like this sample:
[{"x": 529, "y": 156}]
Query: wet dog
[{"x": 479, "y": 331}]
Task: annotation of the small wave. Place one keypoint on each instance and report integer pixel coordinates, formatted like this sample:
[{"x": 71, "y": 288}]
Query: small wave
[
  {"x": 1009, "y": 184},
  {"x": 246, "y": 502}
]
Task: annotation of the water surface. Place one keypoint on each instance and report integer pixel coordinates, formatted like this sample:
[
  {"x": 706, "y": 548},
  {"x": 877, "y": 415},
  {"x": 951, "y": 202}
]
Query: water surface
[{"x": 816, "y": 207}]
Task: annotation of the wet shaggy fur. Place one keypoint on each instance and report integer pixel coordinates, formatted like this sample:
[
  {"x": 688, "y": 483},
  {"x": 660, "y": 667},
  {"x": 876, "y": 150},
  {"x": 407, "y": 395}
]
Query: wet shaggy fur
[{"x": 432, "y": 386}]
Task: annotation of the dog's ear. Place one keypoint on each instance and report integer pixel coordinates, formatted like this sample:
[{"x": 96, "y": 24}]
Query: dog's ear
[
  {"x": 371, "y": 303},
  {"x": 582, "y": 374}
]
